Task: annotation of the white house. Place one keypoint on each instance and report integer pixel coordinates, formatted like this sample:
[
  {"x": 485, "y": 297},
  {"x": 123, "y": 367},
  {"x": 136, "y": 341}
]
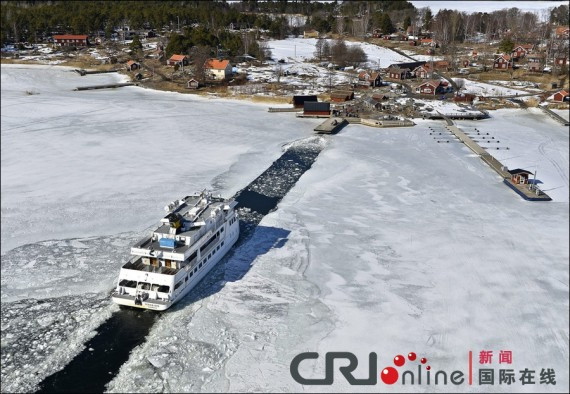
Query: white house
[{"x": 218, "y": 69}]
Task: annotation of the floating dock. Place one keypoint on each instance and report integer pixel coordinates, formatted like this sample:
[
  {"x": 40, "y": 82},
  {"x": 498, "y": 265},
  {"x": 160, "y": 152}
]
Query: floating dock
[
  {"x": 528, "y": 192},
  {"x": 331, "y": 126},
  {"x": 277, "y": 109},
  {"x": 555, "y": 116},
  {"x": 386, "y": 123},
  {"x": 108, "y": 86},
  {"x": 463, "y": 116},
  {"x": 525, "y": 192},
  {"x": 85, "y": 72}
]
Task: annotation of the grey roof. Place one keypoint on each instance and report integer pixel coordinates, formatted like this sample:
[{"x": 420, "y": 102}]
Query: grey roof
[
  {"x": 315, "y": 106},
  {"x": 302, "y": 99}
]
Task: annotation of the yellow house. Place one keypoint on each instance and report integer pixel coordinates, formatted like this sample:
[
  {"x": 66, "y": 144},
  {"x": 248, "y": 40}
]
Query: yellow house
[{"x": 310, "y": 34}]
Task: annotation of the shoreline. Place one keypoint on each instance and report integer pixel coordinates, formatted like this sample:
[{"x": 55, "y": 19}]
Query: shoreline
[{"x": 211, "y": 93}]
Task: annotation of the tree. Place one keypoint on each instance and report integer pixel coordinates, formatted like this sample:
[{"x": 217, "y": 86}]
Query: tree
[
  {"x": 319, "y": 49},
  {"x": 559, "y": 15},
  {"x": 386, "y": 24},
  {"x": 407, "y": 22},
  {"x": 338, "y": 52},
  {"x": 427, "y": 19},
  {"x": 506, "y": 46},
  {"x": 355, "y": 55},
  {"x": 176, "y": 44},
  {"x": 326, "y": 50},
  {"x": 136, "y": 44},
  {"x": 200, "y": 54}
]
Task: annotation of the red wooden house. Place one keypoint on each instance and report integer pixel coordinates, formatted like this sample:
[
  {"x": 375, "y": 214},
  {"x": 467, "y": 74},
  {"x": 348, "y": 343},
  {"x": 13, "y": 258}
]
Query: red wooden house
[
  {"x": 177, "y": 59},
  {"x": 398, "y": 73},
  {"x": 503, "y": 62},
  {"x": 71, "y": 40},
  {"x": 520, "y": 176},
  {"x": 560, "y": 96},
  {"x": 369, "y": 79},
  {"x": 429, "y": 87},
  {"x": 522, "y": 50},
  {"x": 422, "y": 71}
]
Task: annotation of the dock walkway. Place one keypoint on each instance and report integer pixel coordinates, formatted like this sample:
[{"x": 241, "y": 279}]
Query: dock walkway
[
  {"x": 331, "y": 126},
  {"x": 534, "y": 194},
  {"x": 554, "y": 116},
  {"x": 107, "y": 86},
  {"x": 278, "y": 109}
]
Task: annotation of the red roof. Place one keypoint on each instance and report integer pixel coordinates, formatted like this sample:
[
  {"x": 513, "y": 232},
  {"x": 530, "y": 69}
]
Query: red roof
[
  {"x": 177, "y": 58},
  {"x": 433, "y": 83},
  {"x": 506, "y": 57},
  {"x": 564, "y": 93},
  {"x": 216, "y": 64},
  {"x": 131, "y": 62},
  {"x": 70, "y": 37}
]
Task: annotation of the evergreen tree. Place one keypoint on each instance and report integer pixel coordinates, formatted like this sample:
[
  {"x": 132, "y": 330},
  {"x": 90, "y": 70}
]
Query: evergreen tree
[
  {"x": 386, "y": 24},
  {"x": 428, "y": 17},
  {"x": 407, "y": 22},
  {"x": 136, "y": 45},
  {"x": 506, "y": 46}
]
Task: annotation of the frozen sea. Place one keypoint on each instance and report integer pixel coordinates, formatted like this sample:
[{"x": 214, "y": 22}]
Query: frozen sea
[{"x": 396, "y": 243}]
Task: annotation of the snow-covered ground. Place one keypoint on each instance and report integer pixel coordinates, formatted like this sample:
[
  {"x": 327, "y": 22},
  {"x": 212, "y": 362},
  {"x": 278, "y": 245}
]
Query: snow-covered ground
[
  {"x": 443, "y": 107},
  {"x": 487, "y": 6},
  {"x": 304, "y": 77},
  {"x": 486, "y": 89},
  {"x": 426, "y": 58},
  {"x": 390, "y": 243},
  {"x": 302, "y": 49}
]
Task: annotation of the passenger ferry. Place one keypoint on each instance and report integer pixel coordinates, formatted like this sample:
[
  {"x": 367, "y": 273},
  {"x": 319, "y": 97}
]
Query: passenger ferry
[{"x": 195, "y": 234}]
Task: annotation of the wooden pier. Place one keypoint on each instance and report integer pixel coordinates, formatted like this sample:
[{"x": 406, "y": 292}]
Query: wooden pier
[
  {"x": 554, "y": 116},
  {"x": 107, "y": 86},
  {"x": 85, "y": 72},
  {"x": 331, "y": 126},
  {"x": 277, "y": 109},
  {"x": 463, "y": 116},
  {"x": 386, "y": 123},
  {"x": 526, "y": 191}
]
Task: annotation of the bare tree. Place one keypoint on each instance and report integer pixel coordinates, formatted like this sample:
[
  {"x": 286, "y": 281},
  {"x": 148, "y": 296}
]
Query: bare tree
[
  {"x": 319, "y": 49},
  {"x": 200, "y": 54},
  {"x": 340, "y": 25}
]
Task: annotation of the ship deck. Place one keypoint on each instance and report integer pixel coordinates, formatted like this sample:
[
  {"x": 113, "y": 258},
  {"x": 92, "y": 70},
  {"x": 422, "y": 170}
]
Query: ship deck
[
  {"x": 148, "y": 243},
  {"x": 138, "y": 265}
]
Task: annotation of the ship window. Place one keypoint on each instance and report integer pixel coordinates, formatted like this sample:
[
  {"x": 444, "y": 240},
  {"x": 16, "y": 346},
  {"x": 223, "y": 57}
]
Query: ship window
[
  {"x": 186, "y": 280},
  {"x": 176, "y": 286},
  {"x": 145, "y": 285},
  {"x": 163, "y": 289},
  {"x": 128, "y": 283},
  {"x": 222, "y": 243},
  {"x": 209, "y": 255},
  {"x": 222, "y": 230},
  {"x": 191, "y": 273},
  {"x": 201, "y": 264},
  {"x": 195, "y": 269}
]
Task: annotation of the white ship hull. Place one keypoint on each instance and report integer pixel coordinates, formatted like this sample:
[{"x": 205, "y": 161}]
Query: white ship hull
[
  {"x": 159, "y": 284},
  {"x": 163, "y": 305}
]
